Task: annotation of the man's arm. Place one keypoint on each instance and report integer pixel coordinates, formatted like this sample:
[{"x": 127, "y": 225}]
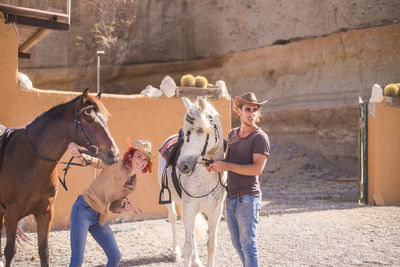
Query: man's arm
[{"x": 253, "y": 169}]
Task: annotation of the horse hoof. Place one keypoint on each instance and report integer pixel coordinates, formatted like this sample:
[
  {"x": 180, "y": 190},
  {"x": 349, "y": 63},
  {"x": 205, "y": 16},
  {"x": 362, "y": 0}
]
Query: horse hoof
[
  {"x": 197, "y": 263},
  {"x": 176, "y": 255}
]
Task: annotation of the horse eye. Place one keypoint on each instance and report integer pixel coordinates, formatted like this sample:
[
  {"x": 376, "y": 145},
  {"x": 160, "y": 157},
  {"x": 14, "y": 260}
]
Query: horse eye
[{"x": 88, "y": 118}]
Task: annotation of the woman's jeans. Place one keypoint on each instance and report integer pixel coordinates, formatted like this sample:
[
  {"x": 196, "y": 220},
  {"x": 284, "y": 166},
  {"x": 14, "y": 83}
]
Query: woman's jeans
[
  {"x": 84, "y": 219},
  {"x": 242, "y": 218}
]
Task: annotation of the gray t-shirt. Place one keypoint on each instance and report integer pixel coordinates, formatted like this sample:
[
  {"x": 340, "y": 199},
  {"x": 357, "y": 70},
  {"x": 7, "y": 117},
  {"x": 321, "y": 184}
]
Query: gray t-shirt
[{"x": 240, "y": 151}]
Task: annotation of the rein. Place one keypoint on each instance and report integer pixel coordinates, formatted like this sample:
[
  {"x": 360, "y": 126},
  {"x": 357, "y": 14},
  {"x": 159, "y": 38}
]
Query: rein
[
  {"x": 69, "y": 163},
  {"x": 212, "y": 190}
]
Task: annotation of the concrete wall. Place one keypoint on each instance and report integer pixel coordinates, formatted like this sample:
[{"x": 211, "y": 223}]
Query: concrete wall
[
  {"x": 133, "y": 116},
  {"x": 384, "y": 152}
]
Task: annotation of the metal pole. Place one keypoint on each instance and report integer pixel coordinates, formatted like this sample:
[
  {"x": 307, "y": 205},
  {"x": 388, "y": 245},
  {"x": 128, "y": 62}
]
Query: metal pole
[
  {"x": 99, "y": 53},
  {"x": 69, "y": 12}
]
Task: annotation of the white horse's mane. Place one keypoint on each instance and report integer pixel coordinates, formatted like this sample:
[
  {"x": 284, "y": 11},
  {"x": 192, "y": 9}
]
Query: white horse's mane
[{"x": 201, "y": 111}]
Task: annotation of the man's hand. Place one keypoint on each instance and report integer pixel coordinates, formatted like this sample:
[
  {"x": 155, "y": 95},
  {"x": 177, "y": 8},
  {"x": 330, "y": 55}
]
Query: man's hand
[{"x": 217, "y": 166}]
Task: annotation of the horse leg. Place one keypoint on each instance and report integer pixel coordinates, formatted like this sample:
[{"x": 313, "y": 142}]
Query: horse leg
[
  {"x": 1, "y": 230},
  {"x": 213, "y": 222},
  {"x": 195, "y": 258},
  {"x": 189, "y": 216},
  {"x": 176, "y": 252},
  {"x": 11, "y": 223},
  {"x": 43, "y": 221}
]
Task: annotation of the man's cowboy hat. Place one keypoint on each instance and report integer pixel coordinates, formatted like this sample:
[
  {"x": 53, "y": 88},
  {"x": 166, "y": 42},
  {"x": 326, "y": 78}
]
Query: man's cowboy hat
[
  {"x": 247, "y": 98},
  {"x": 141, "y": 145}
]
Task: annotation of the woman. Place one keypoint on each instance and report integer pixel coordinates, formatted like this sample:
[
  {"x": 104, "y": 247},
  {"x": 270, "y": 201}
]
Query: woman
[{"x": 108, "y": 192}]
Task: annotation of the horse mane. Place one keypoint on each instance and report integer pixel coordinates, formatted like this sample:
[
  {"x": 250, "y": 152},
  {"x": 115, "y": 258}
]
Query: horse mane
[
  {"x": 197, "y": 114},
  {"x": 102, "y": 109},
  {"x": 92, "y": 100}
]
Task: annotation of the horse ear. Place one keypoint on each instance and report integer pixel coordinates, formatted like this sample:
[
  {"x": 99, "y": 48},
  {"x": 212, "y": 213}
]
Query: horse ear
[
  {"x": 186, "y": 102},
  {"x": 84, "y": 96},
  {"x": 99, "y": 94},
  {"x": 202, "y": 103}
]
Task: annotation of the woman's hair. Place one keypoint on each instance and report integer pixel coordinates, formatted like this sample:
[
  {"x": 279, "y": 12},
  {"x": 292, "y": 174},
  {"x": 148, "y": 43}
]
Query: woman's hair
[{"x": 127, "y": 162}]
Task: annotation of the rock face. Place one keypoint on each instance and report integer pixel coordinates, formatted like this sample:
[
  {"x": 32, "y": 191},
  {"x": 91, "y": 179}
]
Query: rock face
[
  {"x": 311, "y": 59},
  {"x": 164, "y": 31}
]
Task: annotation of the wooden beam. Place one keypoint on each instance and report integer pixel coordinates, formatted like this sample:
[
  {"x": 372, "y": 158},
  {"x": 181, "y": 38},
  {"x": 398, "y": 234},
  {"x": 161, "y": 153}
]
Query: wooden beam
[
  {"x": 24, "y": 11},
  {"x": 33, "y": 40},
  {"x": 24, "y": 55},
  {"x": 41, "y": 23}
]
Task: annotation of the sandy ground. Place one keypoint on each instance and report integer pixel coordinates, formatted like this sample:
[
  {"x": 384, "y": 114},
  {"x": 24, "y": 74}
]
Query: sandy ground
[
  {"x": 306, "y": 220},
  {"x": 309, "y": 231}
]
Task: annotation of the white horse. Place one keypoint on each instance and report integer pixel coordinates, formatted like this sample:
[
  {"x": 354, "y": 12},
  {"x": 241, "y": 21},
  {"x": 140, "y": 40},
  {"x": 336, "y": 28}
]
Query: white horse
[{"x": 202, "y": 191}]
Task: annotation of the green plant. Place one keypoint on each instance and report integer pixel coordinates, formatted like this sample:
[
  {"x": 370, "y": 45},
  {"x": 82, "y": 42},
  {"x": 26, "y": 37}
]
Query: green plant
[
  {"x": 391, "y": 90},
  {"x": 201, "y": 81},
  {"x": 188, "y": 80}
]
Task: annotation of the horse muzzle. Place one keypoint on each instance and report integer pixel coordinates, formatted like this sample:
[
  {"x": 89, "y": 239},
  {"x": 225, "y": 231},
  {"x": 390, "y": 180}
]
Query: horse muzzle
[
  {"x": 186, "y": 165},
  {"x": 110, "y": 158}
]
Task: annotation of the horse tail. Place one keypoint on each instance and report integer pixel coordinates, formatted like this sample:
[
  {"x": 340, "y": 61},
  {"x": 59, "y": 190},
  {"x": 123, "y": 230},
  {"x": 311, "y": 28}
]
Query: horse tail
[
  {"x": 21, "y": 237},
  {"x": 201, "y": 227}
]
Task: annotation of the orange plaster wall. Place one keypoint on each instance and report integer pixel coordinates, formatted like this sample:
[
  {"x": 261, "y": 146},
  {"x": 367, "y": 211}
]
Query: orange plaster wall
[
  {"x": 133, "y": 116},
  {"x": 384, "y": 154}
]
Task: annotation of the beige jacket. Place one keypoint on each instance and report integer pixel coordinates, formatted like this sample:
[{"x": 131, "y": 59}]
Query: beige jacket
[{"x": 109, "y": 189}]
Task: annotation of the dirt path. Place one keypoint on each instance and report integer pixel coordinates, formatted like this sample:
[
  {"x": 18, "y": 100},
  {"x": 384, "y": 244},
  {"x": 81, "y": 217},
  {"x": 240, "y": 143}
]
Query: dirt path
[
  {"x": 306, "y": 220},
  {"x": 298, "y": 227}
]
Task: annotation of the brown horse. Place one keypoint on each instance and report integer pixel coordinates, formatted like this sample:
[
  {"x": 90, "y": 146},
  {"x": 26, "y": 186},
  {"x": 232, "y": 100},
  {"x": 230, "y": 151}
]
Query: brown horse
[{"x": 28, "y": 175}]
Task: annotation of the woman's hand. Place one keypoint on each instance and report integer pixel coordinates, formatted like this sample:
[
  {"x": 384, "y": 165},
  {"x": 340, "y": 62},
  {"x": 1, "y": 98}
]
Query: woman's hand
[
  {"x": 126, "y": 205},
  {"x": 74, "y": 150}
]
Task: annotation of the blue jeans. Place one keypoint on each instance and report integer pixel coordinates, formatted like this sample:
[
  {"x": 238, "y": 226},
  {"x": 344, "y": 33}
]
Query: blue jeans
[
  {"x": 84, "y": 219},
  {"x": 242, "y": 218}
]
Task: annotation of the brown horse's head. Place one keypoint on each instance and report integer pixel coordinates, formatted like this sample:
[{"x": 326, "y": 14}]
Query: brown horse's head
[{"x": 91, "y": 129}]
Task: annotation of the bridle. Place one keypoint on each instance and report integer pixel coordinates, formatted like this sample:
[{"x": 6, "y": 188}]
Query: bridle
[
  {"x": 190, "y": 120},
  {"x": 88, "y": 143},
  {"x": 78, "y": 124},
  {"x": 202, "y": 159}
]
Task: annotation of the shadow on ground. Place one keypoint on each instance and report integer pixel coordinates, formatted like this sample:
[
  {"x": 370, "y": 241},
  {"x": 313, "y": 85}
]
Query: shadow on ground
[
  {"x": 299, "y": 180},
  {"x": 143, "y": 261}
]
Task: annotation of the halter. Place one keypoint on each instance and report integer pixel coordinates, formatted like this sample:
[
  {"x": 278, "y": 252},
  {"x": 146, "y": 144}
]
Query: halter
[
  {"x": 190, "y": 120},
  {"x": 69, "y": 163}
]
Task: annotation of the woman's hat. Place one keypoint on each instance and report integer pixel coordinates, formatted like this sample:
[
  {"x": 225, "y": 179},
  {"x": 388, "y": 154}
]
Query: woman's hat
[
  {"x": 141, "y": 145},
  {"x": 247, "y": 98}
]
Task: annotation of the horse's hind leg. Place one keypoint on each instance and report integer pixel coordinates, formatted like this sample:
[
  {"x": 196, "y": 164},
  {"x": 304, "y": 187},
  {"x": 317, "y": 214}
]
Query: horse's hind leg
[
  {"x": 176, "y": 252},
  {"x": 43, "y": 221}
]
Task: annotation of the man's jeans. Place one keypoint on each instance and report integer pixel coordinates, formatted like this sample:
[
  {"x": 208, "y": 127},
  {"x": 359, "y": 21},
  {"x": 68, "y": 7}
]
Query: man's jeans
[
  {"x": 84, "y": 219},
  {"x": 242, "y": 218}
]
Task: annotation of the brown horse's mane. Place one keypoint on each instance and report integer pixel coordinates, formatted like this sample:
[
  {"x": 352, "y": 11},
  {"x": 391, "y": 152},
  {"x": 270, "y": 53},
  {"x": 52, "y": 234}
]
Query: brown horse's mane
[
  {"x": 102, "y": 109},
  {"x": 92, "y": 100}
]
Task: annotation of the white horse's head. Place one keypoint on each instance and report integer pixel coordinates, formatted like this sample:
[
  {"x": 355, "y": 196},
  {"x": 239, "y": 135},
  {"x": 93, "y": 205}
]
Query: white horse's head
[{"x": 202, "y": 135}]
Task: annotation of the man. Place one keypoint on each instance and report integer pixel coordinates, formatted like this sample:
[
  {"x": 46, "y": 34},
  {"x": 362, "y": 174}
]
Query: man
[{"x": 247, "y": 152}]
